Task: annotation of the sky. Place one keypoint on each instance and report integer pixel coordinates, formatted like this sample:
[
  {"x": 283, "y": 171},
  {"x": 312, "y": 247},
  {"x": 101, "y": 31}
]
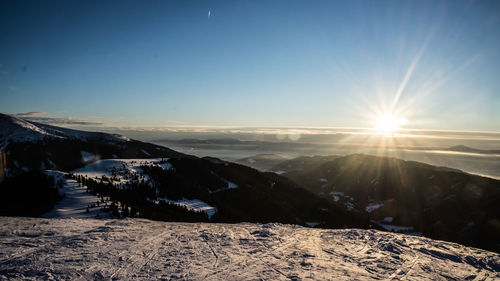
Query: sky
[{"x": 434, "y": 64}]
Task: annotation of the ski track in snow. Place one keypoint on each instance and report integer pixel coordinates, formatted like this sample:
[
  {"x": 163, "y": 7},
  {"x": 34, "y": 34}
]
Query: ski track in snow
[{"x": 138, "y": 249}]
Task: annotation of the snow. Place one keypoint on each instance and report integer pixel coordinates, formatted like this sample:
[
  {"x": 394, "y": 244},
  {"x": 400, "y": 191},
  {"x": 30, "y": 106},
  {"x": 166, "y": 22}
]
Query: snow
[
  {"x": 373, "y": 206},
  {"x": 280, "y": 172},
  {"x": 387, "y": 219},
  {"x": 75, "y": 202},
  {"x": 57, "y": 175},
  {"x": 145, "y": 152},
  {"x": 81, "y": 135},
  {"x": 87, "y": 156},
  {"x": 165, "y": 165},
  {"x": 229, "y": 184},
  {"x": 336, "y": 195},
  {"x": 312, "y": 224},
  {"x": 350, "y": 206},
  {"x": 323, "y": 180},
  {"x": 390, "y": 227},
  {"x": 52, "y": 164},
  {"x": 13, "y": 129},
  {"x": 250, "y": 160},
  {"x": 194, "y": 205},
  {"x": 138, "y": 249},
  {"x": 120, "y": 168}
]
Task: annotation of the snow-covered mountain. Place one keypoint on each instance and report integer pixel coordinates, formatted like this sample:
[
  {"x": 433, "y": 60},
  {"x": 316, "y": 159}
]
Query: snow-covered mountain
[
  {"x": 137, "y": 249},
  {"x": 150, "y": 181},
  {"x": 14, "y": 130},
  {"x": 32, "y": 146},
  {"x": 134, "y": 175}
]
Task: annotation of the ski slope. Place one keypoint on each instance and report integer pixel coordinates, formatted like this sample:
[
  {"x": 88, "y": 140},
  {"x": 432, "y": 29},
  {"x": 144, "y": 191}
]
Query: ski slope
[
  {"x": 77, "y": 202},
  {"x": 137, "y": 249}
]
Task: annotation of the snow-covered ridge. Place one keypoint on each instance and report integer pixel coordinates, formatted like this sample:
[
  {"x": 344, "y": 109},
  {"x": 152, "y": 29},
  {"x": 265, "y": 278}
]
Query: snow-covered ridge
[
  {"x": 13, "y": 129},
  {"x": 137, "y": 249}
]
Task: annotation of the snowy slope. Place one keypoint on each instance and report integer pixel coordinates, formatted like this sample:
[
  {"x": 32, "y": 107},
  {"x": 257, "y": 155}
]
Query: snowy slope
[
  {"x": 120, "y": 171},
  {"x": 136, "y": 249},
  {"x": 75, "y": 202},
  {"x": 81, "y": 135},
  {"x": 13, "y": 129},
  {"x": 35, "y": 146}
]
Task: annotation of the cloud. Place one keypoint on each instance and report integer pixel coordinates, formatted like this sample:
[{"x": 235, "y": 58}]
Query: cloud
[
  {"x": 30, "y": 114},
  {"x": 62, "y": 121}
]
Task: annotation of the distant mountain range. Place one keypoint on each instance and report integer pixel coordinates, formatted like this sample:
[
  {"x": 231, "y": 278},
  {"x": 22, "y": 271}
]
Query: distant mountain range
[
  {"x": 439, "y": 202},
  {"x": 239, "y": 193},
  {"x": 358, "y": 190},
  {"x": 286, "y": 145},
  {"x": 463, "y": 148}
]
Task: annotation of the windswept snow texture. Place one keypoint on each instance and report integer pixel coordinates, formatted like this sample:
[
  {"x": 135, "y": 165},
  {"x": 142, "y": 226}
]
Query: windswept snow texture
[{"x": 136, "y": 249}]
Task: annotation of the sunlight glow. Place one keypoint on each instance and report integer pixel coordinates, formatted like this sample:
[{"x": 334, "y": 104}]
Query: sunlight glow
[{"x": 389, "y": 123}]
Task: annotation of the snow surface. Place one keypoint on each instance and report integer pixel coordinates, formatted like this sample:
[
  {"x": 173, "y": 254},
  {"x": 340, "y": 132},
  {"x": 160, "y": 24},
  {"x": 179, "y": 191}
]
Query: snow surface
[
  {"x": 194, "y": 205},
  {"x": 120, "y": 168},
  {"x": 373, "y": 206},
  {"x": 75, "y": 202},
  {"x": 397, "y": 228},
  {"x": 350, "y": 206},
  {"x": 138, "y": 249},
  {"x": 87, "y": 156},
  {"x": 387, "y": 219},
  {"x": 312, "y": 223},
  {"x": 229, "y": 184},
  {"x": 13, "y": 129}
]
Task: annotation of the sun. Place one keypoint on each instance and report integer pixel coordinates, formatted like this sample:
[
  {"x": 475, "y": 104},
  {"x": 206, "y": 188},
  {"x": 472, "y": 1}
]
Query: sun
[{"x": 389, "y": 123}]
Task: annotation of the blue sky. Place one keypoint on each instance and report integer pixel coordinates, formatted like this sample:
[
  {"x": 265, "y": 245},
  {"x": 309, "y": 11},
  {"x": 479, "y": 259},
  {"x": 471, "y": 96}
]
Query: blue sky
[{"x": 253, "y": 63}]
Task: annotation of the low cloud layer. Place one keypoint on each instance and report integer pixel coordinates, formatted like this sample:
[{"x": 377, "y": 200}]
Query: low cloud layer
[
  {"x": 62, "y": 121},
  {"x": 30, "y": 114}
]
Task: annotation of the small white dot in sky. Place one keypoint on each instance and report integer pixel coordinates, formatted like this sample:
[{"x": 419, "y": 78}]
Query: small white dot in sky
[{"x": 208, "y": 13}]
